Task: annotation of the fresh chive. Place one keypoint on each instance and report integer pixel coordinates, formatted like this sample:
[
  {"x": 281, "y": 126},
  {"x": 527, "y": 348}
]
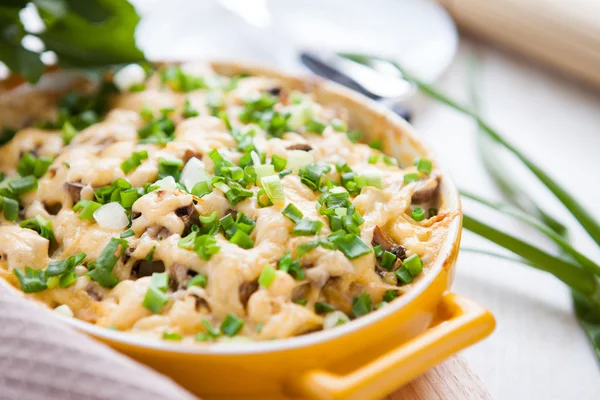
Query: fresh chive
[
  {"x": 172, "y": 336},
  {"x": 32, "y": 281},
  {"x": 376, "y": 144},
  {"x": 231, "y": 325},
  {"x": 134, "y": 161},
  {"x": 389, "y": 295},
  {"x": 423, "y": 165},
  {"x": 378, "y": 251},
  {"x": 128, "y": 197},
  {"x": 323, "y": 308},
  {"x": 68, "y": 133},
  {"x": 242, "y": 239},
  {"x": 23, "y": 185},
  {"x": 10, "y": 209},
  {"x": 155, "y": 299},
  {"x": 198, "y": 280},
  {"x": 301, "y": 302},
  {"x": 387, "y": 260},
  {"x": 418, "y": 214},
  {"x": 188, "y": 110},
  {"x": 316, "y": 126},
  {"x": 201, "y": 189},
  {"x": 168, "y": 167},
  {"x": 362, "y": 305},
  {"x": 306, "y": 227},
  {"x": 206, "y": 246},
  {"x": 413, "y": 264},
  {"x": 279, "y": 163},
  {"x": 267, "y": 276},
  {"x": 351, "y": 245},
  {"x": 87, "y": 208},
  {"x": 127, "y": 233},
  {"x": 411, "y": 177},
  {"x": 292, "y": 212}
]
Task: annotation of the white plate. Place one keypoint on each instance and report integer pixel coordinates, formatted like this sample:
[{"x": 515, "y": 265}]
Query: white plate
[{"x": 417, "y": 33}]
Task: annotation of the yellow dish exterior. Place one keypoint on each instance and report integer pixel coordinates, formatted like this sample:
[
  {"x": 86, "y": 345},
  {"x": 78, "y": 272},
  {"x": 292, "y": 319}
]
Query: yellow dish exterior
[{"x": 365, "y": 359}]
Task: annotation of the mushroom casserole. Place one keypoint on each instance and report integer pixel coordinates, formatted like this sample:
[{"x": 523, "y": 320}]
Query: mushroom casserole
[{"x": 175, "y": 203}]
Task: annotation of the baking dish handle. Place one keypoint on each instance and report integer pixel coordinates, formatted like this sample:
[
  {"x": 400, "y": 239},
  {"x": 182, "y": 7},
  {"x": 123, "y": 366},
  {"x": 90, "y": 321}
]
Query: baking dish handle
[{"x": 466, "y": 324}]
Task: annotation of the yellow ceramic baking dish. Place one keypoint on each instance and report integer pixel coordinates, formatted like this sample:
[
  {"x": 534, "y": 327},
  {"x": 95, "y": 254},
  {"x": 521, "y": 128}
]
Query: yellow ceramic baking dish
[{"x": 365, "y": 359}]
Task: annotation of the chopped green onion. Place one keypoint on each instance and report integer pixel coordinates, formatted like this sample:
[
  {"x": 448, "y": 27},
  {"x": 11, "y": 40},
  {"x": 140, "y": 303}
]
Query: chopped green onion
[
  {"x": 306, "y": 227},
  {"x": 201, "y": 189},
  {"x": 87, "y": 208},
  {"x": 59, "y": 267},
  {"x": 299, "y": 159},
  {"x": 323, "y": 308},
  {"x": 354, "y": 136},
  {"x": 376, "y": 144},
  {"x": 102, "y": 268},
  {"x": 168, "y": 167},
  {"x": 242, "y": 239},
  {"x": 23, "y": 185},
  {"x": 274, "y": 189},
  {"x": 411, "y": 177},
  {"x": 160, "y": 281},
  {"x": 68, "y": 133},
  {"x": 134, "y": 161},
  {"x": 231, "y": 325},
  {"x": 423, "y": 165},
  {"x": 260, "y": 199},
  {"x": 301, "y": 302},
  {"x": 339, "y": 125},
  {"x": 32, "y": 165},
  {"x": 418, "y": 214},
  {"x": 378, "y": 251},
  {"x": 263, "y": 171},
  {"x": 362, "y": 305},
  {"x": 413, "y": 264},
  {"x": 292, "y": 212},
  {"x": 198, "y": 280},
  {"x": 127, "y": 233},
  {"x": 351, "y": 245},
  {"x": 34, "y": 280},
  {"x": 373, "y": 179},
  {"x": 155, "y": 299},
  {"x": 387, "y": 260},
  {"x": 316, "y": 126},
  {"x": 10, "y": 208},
  {"x": 206, "y": 246},
  {"x": 172, "y": 336},
  {"x": 128, "y": 197},
  {"x": 279, "y": 163},
  {"x": 188, "y": 110},
  {"x": 404, "y": 275},
  {"x": 389, "y": 295},
  {"x": 267, "y": 276}
]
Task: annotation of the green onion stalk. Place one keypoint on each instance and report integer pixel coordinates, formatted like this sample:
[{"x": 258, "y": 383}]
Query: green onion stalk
[{"x": 579, "y": 272}]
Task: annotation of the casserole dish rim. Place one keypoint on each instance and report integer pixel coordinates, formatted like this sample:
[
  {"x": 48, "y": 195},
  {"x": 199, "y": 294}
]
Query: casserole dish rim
[{"x": 450, "y": 194}]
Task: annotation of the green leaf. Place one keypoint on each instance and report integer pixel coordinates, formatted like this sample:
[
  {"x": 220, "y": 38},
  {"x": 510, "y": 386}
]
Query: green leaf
[
  {"x": 25, "y": 62},
  {"x": 81, "y": 43},
  {"x": 588, "y": 314}
]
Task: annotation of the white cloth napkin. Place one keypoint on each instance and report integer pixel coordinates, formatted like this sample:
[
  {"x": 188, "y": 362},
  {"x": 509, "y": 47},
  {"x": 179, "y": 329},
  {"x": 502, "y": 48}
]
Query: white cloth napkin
[{"x": 42, "y": 358}]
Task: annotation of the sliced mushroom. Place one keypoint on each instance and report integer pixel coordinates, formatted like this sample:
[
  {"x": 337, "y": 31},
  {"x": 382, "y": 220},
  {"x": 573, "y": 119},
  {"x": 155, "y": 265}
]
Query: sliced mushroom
[
  {"x": 94, "y": 292},
  {"x": 232, "y": 212},
  {"x": 146, "y": 268},
  {"x": 200, "y": 303},
  {"x": 157, "y": 232},
  {"x": 300, "y": 146},
  {"x": 381, "y": 239},
  {"x": 180, "y": 276},
  {"x": 301, "y": 291},
  {"x": 275, "y": 91},
  {"x": 188, "y": 215},
  {"x": 246, "y": 290},
  {"x": 427, "y": 192},
  {"x": 53, "y": 209},
  {"x": 74, "y": 190},
  {"x": 135, "y": 215}
]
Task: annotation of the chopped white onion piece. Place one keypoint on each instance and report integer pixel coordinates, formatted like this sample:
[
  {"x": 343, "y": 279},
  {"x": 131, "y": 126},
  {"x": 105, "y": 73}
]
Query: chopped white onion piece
[
  {"x": 255, "y": 158},
  {"x": 298, "y": 159},
  {"x": 167, "y": 183},
  {"x": 111, "y": 216},
  {"x": 300, "y": 114},
  {"x": 274, "y": 189},
  {"x": 264, "y": 170},
  {"x": 64, "y": 310},
  {"x": 334, "y": 319},
  {"x": 129, "y": 76},
  {"x": 374, "y": 179},
  {"x": 193, "y": 172}
]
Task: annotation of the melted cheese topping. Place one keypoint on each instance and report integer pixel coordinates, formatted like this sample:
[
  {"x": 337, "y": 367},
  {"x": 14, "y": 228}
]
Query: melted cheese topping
[{"x": 287, "y": 306}]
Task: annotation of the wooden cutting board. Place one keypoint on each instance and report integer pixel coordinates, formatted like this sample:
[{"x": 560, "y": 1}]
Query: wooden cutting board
[{"x": 452, "y": 380}]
